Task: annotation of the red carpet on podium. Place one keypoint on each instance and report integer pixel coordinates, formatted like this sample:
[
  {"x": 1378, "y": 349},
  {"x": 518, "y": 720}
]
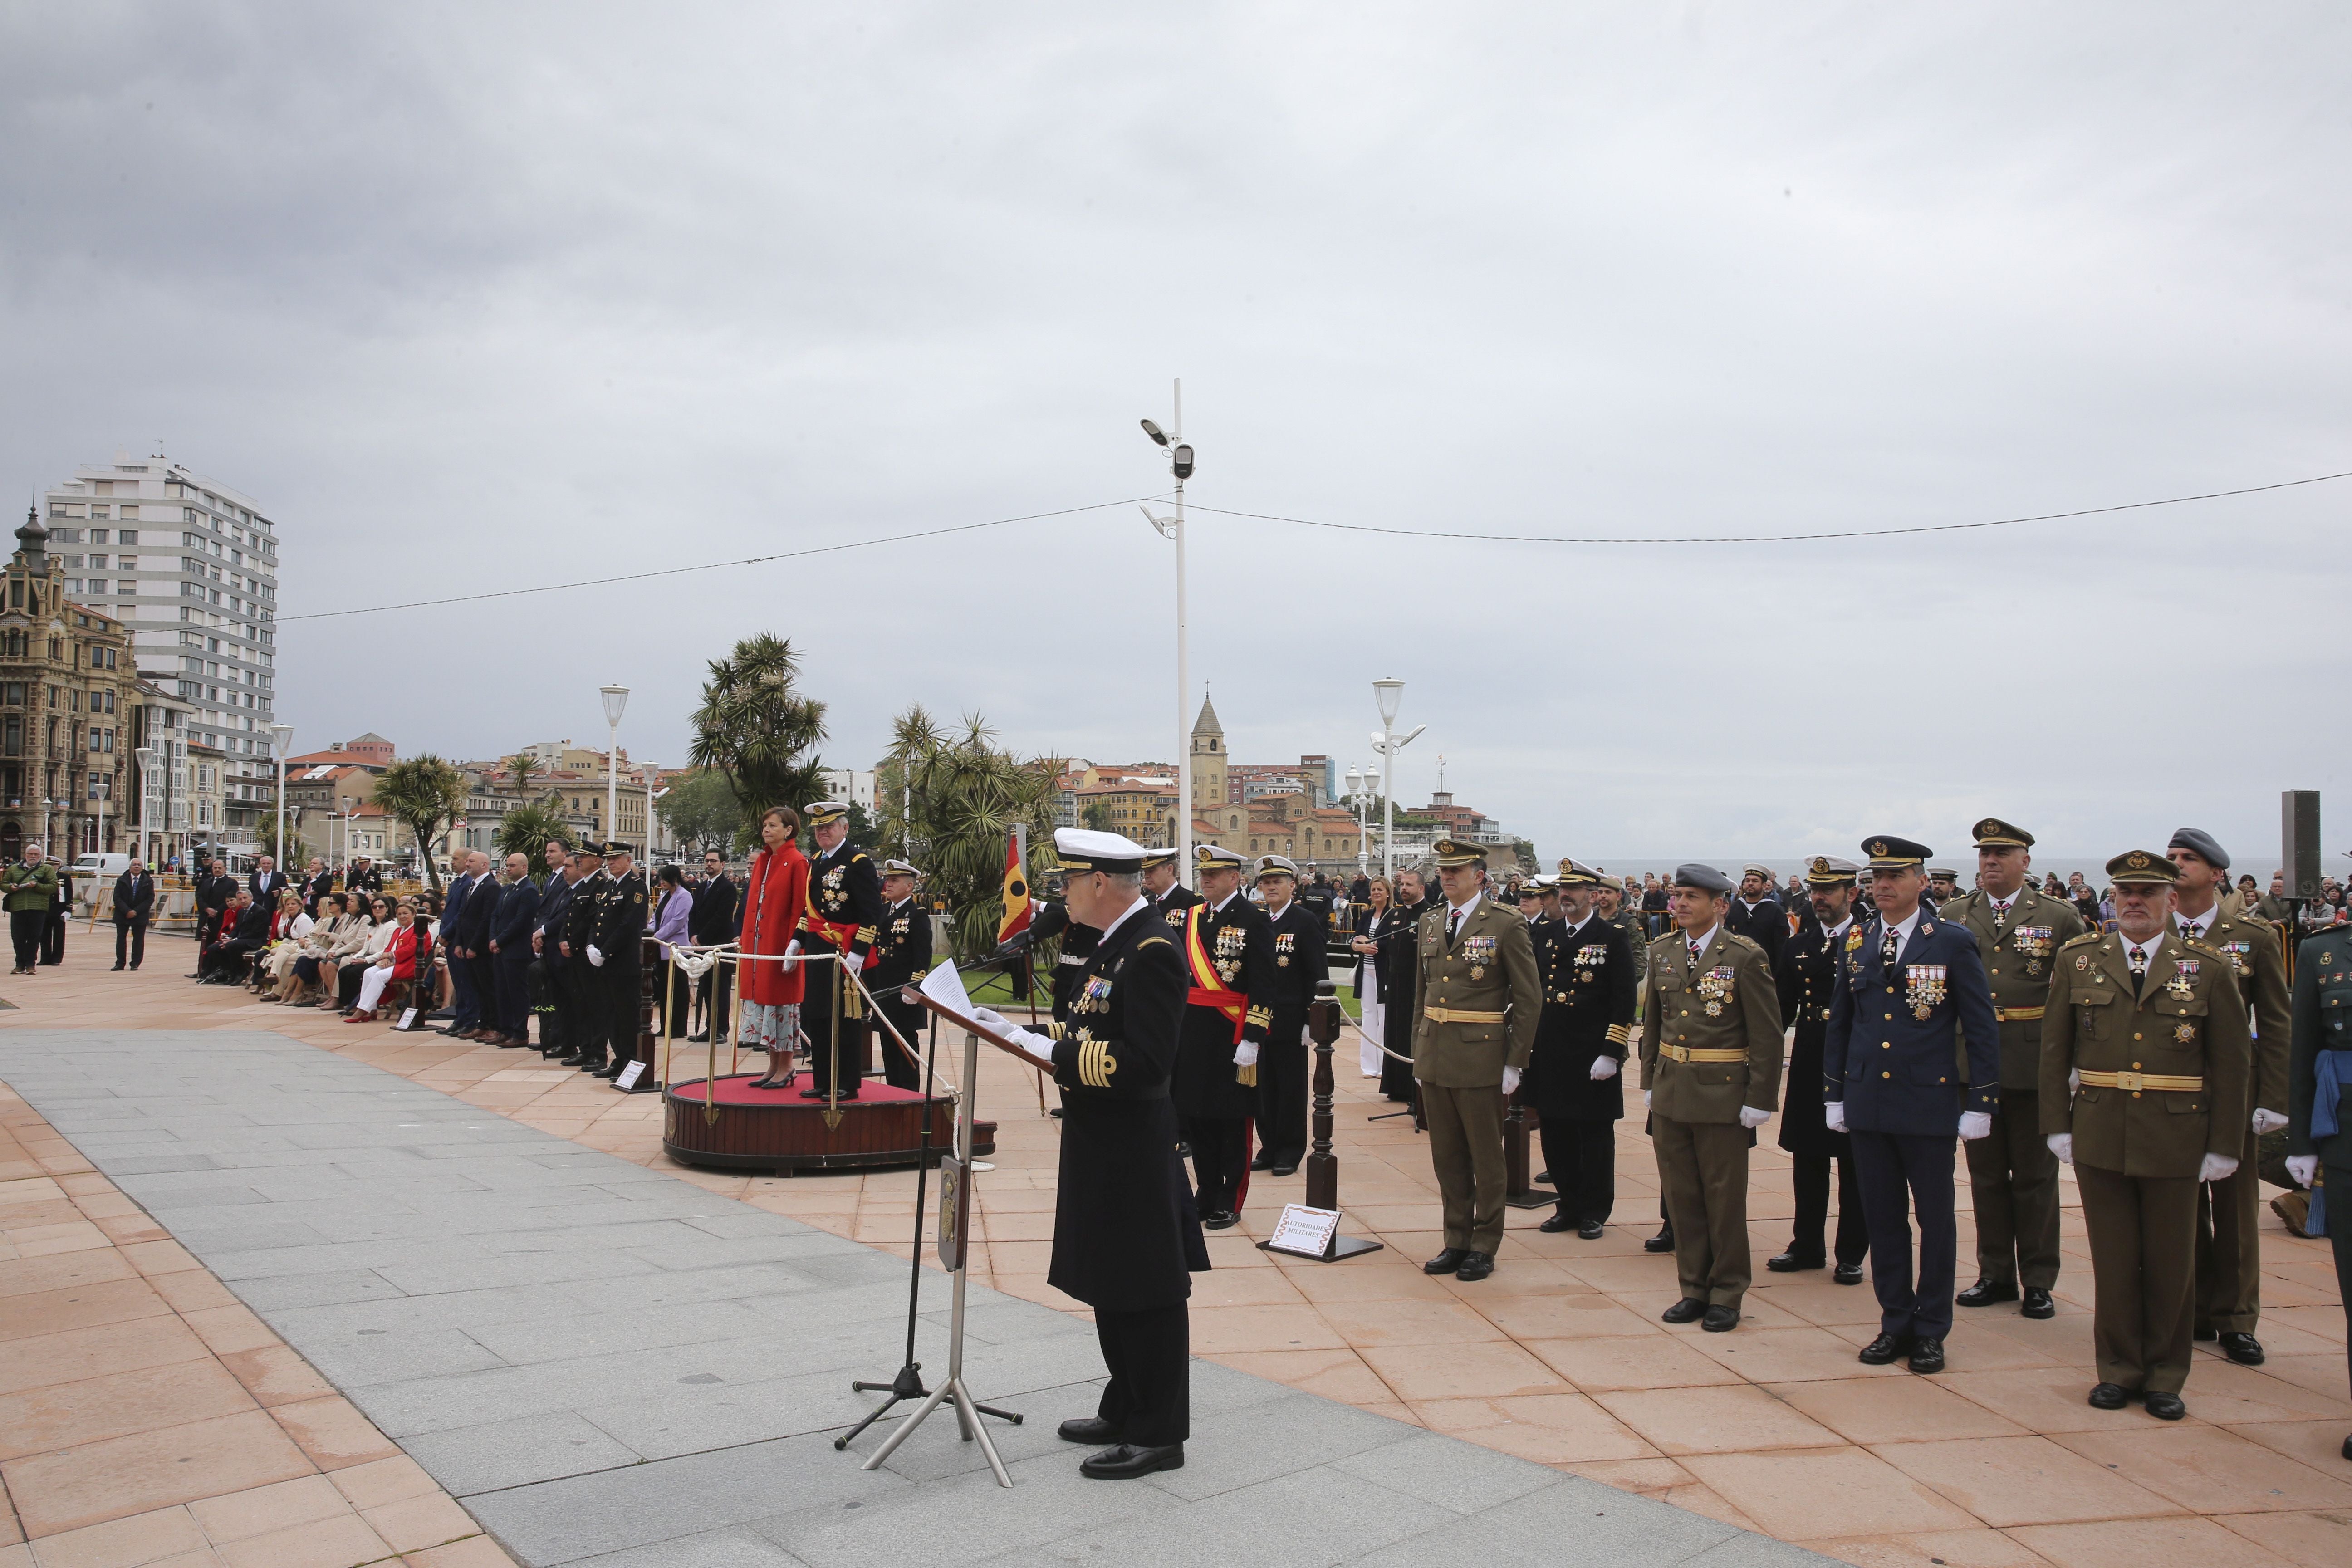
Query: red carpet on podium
[{"x": 738, "y": 1091}]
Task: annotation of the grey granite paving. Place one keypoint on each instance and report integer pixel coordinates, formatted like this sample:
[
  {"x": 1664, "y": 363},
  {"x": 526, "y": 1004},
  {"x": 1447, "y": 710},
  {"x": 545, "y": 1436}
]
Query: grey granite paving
[{"x": 608, "y": 1365}]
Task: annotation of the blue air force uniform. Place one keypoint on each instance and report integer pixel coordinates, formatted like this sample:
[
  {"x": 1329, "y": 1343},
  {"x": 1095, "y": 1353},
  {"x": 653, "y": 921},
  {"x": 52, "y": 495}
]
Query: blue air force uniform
[{"x": 1889, "y": 1061}]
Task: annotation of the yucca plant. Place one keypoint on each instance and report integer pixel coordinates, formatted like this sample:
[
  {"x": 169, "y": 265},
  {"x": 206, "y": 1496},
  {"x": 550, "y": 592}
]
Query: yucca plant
[
  {"x": 961, "y": 800},
  {"x": 757, "y": 729}
]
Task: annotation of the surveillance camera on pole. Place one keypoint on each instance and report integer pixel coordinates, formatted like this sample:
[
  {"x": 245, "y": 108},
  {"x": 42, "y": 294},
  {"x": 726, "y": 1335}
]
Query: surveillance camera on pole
[{"x": 1179, "y": 464}]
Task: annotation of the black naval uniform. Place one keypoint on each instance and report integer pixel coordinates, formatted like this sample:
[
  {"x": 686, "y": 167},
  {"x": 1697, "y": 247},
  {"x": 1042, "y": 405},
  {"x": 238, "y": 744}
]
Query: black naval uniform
[
  {"x": 1213, "y": 1105},
  {"x": 1125, "y": 1242},
  {"x": 1764, "y": 923},
  {"x": 845, "y": 890},
  {"x": 1807, "y": 979},
  {"x": 1298, "y": 938},
  {"x": 620, "y": 936},
  {"x": 584, "y": 1025},
  {"x": 902, "y": 956},
  {"x": 1590, "y": 979},
  {"x": 548, "y": 997}
]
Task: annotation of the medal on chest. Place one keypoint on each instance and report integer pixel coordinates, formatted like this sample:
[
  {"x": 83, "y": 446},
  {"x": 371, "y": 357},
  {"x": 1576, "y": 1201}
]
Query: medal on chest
[
  {"x": 2183, "y": 983},
  {"x": 1284, "y": 945},
  {"x": 1095, "y": 998},
  {"x": 2035, "y": 943},
  {"x": 1589, "y": 960},
  {"x": 1231, "y": 942},
  {"x": 1478, "y": 952},
  {"x": 1927, "y": 985},
  {"x": 2236, "y": 951},
  {"x": 1716, "y": 988}
]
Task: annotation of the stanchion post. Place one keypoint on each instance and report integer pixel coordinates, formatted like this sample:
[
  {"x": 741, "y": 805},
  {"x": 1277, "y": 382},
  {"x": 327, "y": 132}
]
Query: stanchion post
[
  {"x": 1322, "y": 1166},
  {"x": 1518, "y": 1192}
]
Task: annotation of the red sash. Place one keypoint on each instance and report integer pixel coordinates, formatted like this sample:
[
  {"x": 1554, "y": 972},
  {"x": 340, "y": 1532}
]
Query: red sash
[{"x": 1209, "y": 988}]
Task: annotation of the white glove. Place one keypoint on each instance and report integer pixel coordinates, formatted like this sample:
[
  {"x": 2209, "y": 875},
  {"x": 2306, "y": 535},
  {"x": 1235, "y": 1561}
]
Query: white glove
[
  {"x": 1034, "y": 1045},
  {"x": 2074, "y": 1080},
  {"x": 1245, "y": 1054},
  {"x": 2267, "y": 1122},
  {"x": 596, "y": 957},
  {"x": 1604, "y": 1068},
  {"x": 1645, "y": 1098},
  {"x": 1833, "y": 1115},
  {"x": 852, "y": 963},
  {"x": 1752, "y": 1115},
  {"x": 2303, "y": 1168},
  {"x": 990, "y": 1016},
  {"x": 1510, "y": 1081},
  {"x": 1975, "y": 1124},
  {"x": 2063, "y": 1145},
  {"x": 792, "y": 958},
  {"x": 2217, "y": 1167}
]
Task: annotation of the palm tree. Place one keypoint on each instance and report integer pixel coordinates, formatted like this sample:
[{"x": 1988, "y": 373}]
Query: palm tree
[
  {"x": 756, "y": 728},
  {"x": 425, "y": 794},
  {"x": 968, "y": 796},
  {"x": 522, "y": 764},
  {"x": 528, "y": 829}
]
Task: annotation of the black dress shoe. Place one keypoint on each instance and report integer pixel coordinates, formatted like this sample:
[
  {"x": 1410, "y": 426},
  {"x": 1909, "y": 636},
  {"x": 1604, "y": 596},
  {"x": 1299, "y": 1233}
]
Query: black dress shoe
[
  {"x": 1282, "y": 1170},
  {"x": 1592, "y": 1230},
  {"x": 1127, "y": 1462},
  {"x": 1790, "y": 1263},
  {"x": 1091, "y": 1429},
  {"x": 1543, "y": 1179},
  {"x": 1557, "y": 1224},
  {"x": 1184, "y": 1151},
  {"x": 2110, "y": 1396},
  {"x": 2165, "y": 1406},
  {"x": 702, "y": 1037},
  {"x": 2037, "y": 1303},
  {"x": 2243, "y": 1349},
  {"x": 1987, "y": 1293},
  {"x": 2348, "y": 1448},
  {"x": 1926, "y": 1354},
  {"x": 1475, "y": 1266},
  {"x": 1445, "y": 1262},
  {"x": 592, "y": 1064},
  {"x": 1661, "y": 1242},
  {"x": 1885, "y": 1350},
  {"x": 1219, "y": 1219},
  {"x": 1720, "y": 1320},
  {"x": 1848, "y": 1274},
  {"x": 1689, "y": 1309},
  {"x": 1263, "y": 1161},
  {"x": 118, "y": 969}
]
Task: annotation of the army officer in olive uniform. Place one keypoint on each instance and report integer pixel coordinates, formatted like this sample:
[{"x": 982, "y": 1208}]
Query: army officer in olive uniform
[
  {"x": 1480, "y": 1003},
  {"x": 2013, "y": 1175},
  {"x": 1896, "y": 1084},
  {"x": 2144, "y": 1078},
  {"x": 2229, "y": 1248},
  {"x": 1574, "y": 1078},
  {"x": 1711, "y": 1074}
]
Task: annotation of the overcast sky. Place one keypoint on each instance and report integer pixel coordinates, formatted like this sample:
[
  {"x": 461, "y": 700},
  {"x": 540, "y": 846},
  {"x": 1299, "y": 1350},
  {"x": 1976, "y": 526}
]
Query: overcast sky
[{"x": 474, "y": 298}]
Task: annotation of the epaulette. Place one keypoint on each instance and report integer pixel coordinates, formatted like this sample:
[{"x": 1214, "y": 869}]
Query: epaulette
[
  {"x": 2207, "y": 948},
  {"x": 1155, "y": 942},
  {"x": 1750, "y": 944},
  {"x": 857, "y": 853},
  {"x": 2077, "y": 941}
]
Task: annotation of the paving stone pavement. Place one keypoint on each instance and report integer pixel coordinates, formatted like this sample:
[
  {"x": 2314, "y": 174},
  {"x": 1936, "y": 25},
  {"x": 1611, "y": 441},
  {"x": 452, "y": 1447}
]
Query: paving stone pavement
[{"x": 606, "y": 1365}]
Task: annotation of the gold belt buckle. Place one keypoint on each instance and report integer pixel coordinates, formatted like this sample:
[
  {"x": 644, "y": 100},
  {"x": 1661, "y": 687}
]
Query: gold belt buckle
[{"x": 2131, "y": 1081}]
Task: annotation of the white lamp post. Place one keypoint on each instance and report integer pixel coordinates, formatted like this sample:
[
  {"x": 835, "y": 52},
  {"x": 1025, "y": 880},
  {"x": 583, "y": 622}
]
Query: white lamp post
[
  {"x": 616, "y": 700},
  {"x": 1390, "y": 693},
  {"x": 146, "y": 755},
  {"x": 282, "y": 741},
  {"x": 1179, "y": 464}
]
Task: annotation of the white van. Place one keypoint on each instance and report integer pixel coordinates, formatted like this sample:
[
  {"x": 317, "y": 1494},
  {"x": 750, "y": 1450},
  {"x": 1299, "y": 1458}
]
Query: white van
[{"x": 104, "y": 866}]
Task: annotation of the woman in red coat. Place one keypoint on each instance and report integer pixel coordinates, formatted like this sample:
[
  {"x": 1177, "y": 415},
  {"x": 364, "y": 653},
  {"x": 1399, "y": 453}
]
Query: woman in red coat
[{"x": 775, "y": 893}]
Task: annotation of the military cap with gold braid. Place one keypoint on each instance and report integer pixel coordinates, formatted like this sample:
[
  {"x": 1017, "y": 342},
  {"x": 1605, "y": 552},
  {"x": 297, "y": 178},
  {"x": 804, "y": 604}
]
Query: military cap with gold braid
[
  {"x": 1889, "y": 853},
  {"x": 817, "y": 813},
  {"x": 900, "y": 868},
  {"x": 1276, "y": 866},
  {"x": 2145, "y": 865},
  {"x": 1453, "y": 852},
  {"x": 1085, "y": 850},
  {"x": 1992, "y": 833},
  {"x": 614, "y": 847},
  {"x": 1576, "y": 874},
  {"x": 1828, "y": 871},
  {"x": 1215, "y": 857},
  {"x": 1153, "y": 857}
]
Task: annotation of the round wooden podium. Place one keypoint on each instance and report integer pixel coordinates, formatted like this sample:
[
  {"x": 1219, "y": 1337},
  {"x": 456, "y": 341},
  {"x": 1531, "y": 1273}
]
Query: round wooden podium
[{"x": 776, "y": 1129}]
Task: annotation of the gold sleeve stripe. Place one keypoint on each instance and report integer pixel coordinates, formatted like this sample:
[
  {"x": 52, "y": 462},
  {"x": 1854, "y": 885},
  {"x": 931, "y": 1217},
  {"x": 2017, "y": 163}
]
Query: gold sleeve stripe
[
  {"x": 1620, "y": 1033},
  {"x": 867, "y": 933},
  {"x": 1096, "y": 1064},
  {"x": 1054, "y": 1031},
  {"x": 1261, "y": 1016}
]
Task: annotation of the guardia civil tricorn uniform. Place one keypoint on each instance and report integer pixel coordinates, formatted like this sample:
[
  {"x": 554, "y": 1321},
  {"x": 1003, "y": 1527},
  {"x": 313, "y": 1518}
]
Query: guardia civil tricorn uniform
[{"x": 2156, "y": 1050}]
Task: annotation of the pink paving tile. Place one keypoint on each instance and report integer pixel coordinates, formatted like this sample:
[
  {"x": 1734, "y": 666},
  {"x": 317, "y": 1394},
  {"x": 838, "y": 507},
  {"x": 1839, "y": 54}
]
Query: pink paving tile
[
  {"x": 2177, "y": 1542},
  {"x": 2008, "y": 1481},
  {"x": 1843, "y": 1490}
]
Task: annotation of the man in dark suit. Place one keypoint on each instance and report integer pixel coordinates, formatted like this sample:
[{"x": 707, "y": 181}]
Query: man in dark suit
[
  {"x": 470, "y": 945},
  {"x": 715, "y": 918},
  {"x": 243, "y": 930},
  {"x": 361, "y": 877},
  {"x": 558, "y": 1031},
  {"x": 901, "y": 957},
  {"x": 214, "y": 889},
  {"x": 1757, "y": 915},
  {"x": 53, "y": 935},
  {"x": 464, "y": 1005},
  {"x": 265, "y": 882},
  {"x": 1300, "y": 938},
  {"x": 509, "y": 948},
  {"x": 315, "y": 885},
  {"x": 1807, "y": 978},
  {"x": 1889, "y": 1079},
  {"x": 134, "y": 906},
  {"x": 1590, "y": 977}
]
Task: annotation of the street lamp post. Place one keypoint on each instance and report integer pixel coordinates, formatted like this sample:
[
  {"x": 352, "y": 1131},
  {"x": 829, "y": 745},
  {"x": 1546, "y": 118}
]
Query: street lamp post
[
  {"x": 1179, "y": 464},
  {"x": 282, "y": 741},
  {"x": 351, "y": 808},
  {"x": 1388, "y": 693},
  {"x": 146, "y": 756},
  {"x": 616, "y": 699}
]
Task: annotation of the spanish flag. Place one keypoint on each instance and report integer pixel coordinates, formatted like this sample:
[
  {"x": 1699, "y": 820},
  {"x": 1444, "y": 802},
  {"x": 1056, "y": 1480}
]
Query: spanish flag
[{"x": 1016, "y": 893}]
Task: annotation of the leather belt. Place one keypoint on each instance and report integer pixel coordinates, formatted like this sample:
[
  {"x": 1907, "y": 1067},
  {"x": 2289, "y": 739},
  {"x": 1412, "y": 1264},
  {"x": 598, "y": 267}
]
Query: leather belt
[
  {"x": 2174, "y": 1083},
  {"x": 1456, "y": 1016},
  {"x": 2018, "y": 1014},
  {"x": 1686, "y": 1054}
]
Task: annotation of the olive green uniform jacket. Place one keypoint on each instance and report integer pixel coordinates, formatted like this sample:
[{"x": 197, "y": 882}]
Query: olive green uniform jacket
[
  {"x": 1489, "y": 972},
  {"x": 1727, "y": 1002},
  {"x": 2258, "y": 960},
  {"x": 2021, "y": 958},
  {"x": 2187, "y": 1022}
]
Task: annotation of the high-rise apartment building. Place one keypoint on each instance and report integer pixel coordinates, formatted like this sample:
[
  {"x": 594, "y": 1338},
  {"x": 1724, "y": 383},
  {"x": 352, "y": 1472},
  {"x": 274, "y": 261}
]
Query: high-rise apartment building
[{"x": 190, "y": 567}]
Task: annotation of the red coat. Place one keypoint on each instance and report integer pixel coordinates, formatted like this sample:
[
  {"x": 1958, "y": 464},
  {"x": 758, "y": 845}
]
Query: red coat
[{"x": 775, "y": 894}]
